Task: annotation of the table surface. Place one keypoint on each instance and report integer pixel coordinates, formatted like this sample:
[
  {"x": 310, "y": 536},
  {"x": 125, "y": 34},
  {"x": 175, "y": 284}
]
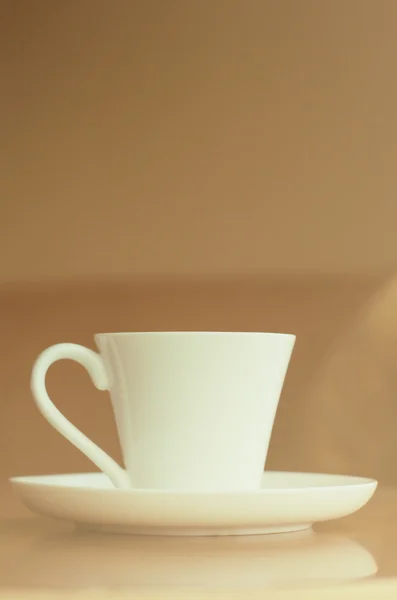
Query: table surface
[{"x": 40, "y": 556}]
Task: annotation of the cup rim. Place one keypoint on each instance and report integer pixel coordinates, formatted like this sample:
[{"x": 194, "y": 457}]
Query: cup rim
[{"x": 198, "y": 333}]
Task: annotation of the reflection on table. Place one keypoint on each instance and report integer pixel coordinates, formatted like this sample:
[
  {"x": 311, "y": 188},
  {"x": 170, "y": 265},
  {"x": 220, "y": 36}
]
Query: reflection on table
[{"x": 76, "y": 559}]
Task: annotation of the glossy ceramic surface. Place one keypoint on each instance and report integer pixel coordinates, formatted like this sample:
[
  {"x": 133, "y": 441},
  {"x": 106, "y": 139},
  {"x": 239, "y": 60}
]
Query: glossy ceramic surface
[
  {"x": 194, "y": 410},
  {"x": 286, "y": 502}
]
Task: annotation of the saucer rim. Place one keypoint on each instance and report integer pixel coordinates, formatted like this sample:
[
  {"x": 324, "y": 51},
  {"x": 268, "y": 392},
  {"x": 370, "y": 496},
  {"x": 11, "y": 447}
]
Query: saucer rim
[
  {"x": 180, "y": 513},
  {"x": 352, "y": 481}
]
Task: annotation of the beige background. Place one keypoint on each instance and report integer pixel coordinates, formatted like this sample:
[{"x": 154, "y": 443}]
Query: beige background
[{"x": 203, "y": 165}]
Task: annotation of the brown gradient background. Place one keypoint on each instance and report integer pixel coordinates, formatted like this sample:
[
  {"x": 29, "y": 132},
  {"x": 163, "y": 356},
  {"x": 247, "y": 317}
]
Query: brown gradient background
[{"x": 202, "y": 164}]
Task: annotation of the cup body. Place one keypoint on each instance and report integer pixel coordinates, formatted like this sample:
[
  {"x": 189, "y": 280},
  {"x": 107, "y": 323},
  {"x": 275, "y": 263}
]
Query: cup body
[{"x": 195, "y": 410}]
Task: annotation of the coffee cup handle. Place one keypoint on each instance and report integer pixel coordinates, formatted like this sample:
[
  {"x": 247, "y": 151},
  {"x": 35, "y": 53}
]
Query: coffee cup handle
[{"x": 95, "y": 366}]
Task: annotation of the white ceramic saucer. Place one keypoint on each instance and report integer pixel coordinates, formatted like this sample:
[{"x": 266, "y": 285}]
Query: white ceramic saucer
[{"x": 286, "y": 502}]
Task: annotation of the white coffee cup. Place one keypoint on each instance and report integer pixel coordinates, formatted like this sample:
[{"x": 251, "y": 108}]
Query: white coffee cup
[{"x": 194, "y": 410}]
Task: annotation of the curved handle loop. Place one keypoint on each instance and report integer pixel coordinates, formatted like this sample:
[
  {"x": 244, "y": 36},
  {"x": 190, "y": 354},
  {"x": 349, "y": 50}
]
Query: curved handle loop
[{"x": 96, "y": 368}]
